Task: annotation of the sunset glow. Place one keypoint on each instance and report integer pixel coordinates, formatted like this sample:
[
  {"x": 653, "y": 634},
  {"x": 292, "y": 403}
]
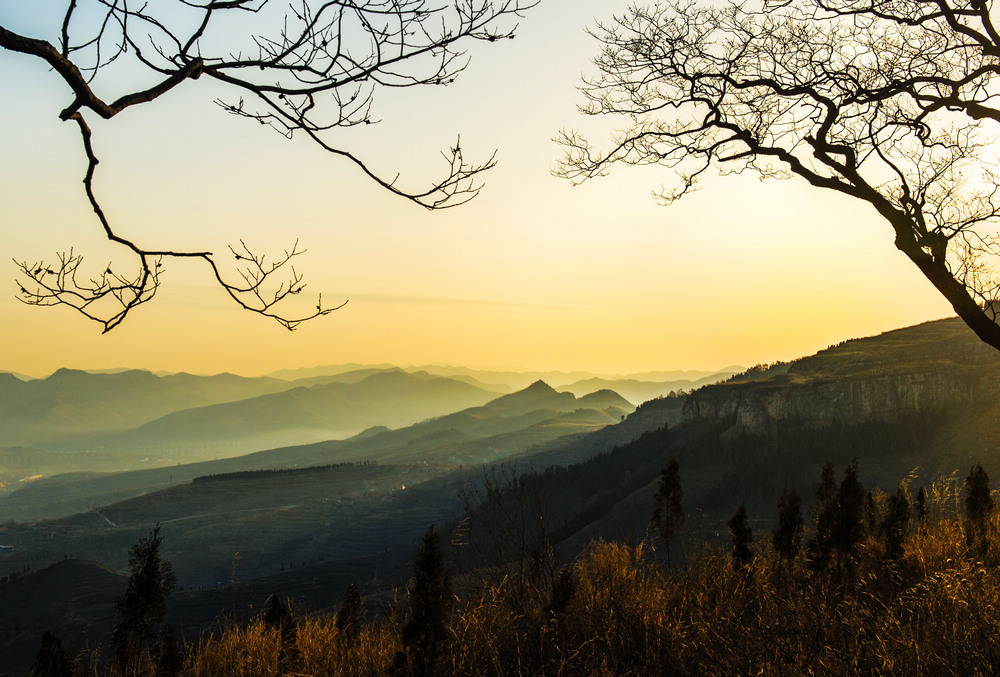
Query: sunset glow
[{"x": 533, "y": 274}]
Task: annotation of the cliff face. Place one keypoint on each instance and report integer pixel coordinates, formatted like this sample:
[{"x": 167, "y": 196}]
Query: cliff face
[
  {"x": 754, "y": 406},
  {"x": 928, "y": 367}
]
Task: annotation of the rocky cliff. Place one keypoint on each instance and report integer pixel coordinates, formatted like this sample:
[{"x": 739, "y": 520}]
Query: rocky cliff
[{"x": 934, "y": 366}]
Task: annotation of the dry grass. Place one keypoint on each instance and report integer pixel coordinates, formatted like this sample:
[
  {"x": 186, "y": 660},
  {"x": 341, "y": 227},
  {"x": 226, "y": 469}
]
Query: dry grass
[{"x": 617, "y": 611}]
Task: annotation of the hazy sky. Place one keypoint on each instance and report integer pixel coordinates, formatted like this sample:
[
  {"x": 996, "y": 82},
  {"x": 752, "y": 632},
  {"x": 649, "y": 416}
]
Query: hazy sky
[{"x": 533, "y": 274}]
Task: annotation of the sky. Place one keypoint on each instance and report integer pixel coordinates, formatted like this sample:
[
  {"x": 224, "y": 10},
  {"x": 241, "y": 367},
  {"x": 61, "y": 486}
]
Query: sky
[{"x": 534, "y": 274}]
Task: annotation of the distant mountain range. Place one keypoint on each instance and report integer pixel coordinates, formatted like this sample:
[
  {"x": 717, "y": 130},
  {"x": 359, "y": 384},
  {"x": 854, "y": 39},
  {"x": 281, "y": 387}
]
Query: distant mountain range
[
  {"x": 121, "y": 419},
  {"x": 921, "y": 403},
  {"x": 492, "y": 428}
]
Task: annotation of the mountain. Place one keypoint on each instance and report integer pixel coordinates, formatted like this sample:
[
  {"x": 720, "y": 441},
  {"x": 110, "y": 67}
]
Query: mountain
[
  {"x": 539, "y": 395},
  {"x": 921, "y": 403},
  {"x": 71, "y": 402},
  {"x": 297, "y": 415},
  {"x": 504, "y": 427},
  {"x": 636, "y": 390},
  {"x": 325, "y": 371}
]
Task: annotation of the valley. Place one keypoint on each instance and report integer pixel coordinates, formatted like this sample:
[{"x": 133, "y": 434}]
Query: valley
[{"x": 538, "y": 464}]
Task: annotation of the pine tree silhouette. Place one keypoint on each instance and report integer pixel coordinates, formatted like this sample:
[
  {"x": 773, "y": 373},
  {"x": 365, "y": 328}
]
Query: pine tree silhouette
[
  {"x": 169, "y": 660},
  {"x": 279, "y": 617},
  {"x": 979, "y": 508},
  {"x": 144, "y": 605},
  {"x": 668, "y": 514},
  {"x": 894, "y": 526},
  {"x": 52, "y": 660},
  {"x": 920, "y": 507},
  {"x": 742, "y": 535},
  {"x": 840, "y": 522},
  {"x": 787, "y": 537},
  {"x": 426, "y": 631},
  {"x": 348, "y": 621}
]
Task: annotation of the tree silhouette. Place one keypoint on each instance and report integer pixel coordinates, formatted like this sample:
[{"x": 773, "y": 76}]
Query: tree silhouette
[
  {"x": 144, "y": 605},
  {"x": 426, "y": 631},
  {"x": 348, "y": 622},
  {"x": 894, "y": 525},
  {"x": 169, "y": 659},
  {"x": 849, "y": 524},
  {"x": 668, "y": 513},
  {"x": 840, "y": 524},
  {"x": 891, "y": 103},
  {"x": 979, "y": 508},
  {"x": 920, "y": 507},
  {"x": 52, "y": 660},
  {"x": 742, "y": 536},
  {"x": 279, "y": 618},
  {"x": 307, "y": 70},
  {"x": 787, "y": 537}
]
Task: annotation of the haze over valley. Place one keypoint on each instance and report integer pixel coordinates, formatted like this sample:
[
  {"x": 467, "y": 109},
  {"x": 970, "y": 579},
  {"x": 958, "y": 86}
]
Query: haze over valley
[{"x": 102, "y": 458}]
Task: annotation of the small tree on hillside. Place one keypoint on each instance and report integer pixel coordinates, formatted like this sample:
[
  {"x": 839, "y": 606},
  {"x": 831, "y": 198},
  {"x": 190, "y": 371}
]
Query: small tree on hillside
[
  {"x": 144, "y": 605},
  {"x": 920, "y": 508},
  {"x": 426, "y": 630},
  {"x": 849, "y": 526},
  {"x": 895, "y": 524},
  {"x": 840, "y": 524},
  {"x": 979, "y": 507},
  {"x": 348, "y": 622},
  {"x": 279, "y": 617},
  {"x": 169, "y": 659},
  {"x": 668, "y": 514},
  {"x": 742, "y": 535},
  {"x": 826, "y": 492},
  {"x": 52, "y": 660},
  {"x": 787, "y": 538}
]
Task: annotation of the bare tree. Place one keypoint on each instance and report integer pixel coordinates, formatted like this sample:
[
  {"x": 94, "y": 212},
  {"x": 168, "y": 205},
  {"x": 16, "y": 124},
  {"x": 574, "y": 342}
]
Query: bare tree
[
  {"x": 304, "y": 67},
  {"x": 886, "y": 101}
]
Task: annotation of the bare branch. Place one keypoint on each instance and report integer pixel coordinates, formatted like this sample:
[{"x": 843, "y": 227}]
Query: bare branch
[
  {"x": 881, "y": 100},
  {"x": 312, "y": 68}
]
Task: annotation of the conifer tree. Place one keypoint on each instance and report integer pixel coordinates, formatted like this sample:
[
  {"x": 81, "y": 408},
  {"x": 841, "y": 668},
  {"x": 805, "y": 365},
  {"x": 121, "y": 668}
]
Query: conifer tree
[
  {"x": 849, "y": 525},
  {"x": 824, "y": 510},
  {"x": 52, "y": 660},
  {"x": 169, "y": 661},
  {"x": 668, "y": 514},
  {"x": 144, "y": 605},
  {"x": 921, "y": 508},
  {"x": 787, "y": 538},
  {"x": 426, "y": 631},
  {"x": 742, "y": 535},
  {"x": 348, "y": 622},
  {"x": 826, "y": 492},
  {"x": 840, "y": 524},
  {"x": 979, "y": 507},
  {"x": 895, "y": 524},
  {"x": 279, "y": 617}
]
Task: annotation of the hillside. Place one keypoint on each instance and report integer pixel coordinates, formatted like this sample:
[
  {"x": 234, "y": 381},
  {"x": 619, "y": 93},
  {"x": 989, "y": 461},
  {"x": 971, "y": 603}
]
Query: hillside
[
  {"x": 921, "y": 402},
  {"x": 71, "y": 402},
  {"x": 503, "y": 427}
]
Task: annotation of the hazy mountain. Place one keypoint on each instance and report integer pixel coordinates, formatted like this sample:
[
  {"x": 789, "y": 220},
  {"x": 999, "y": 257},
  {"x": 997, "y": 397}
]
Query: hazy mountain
[
  {"x": 326, "y": 370},
  {"x": 71, "y": 402},
  {"x": 521, "y": 379},
  {"x": 296, "y": 415},
  {"x": 924, "y": 399},
  {"x": 922, "y": 402},
  {"x": 639, "y": 391},
  {"x": 504, "y": 427},
  {"x": 539, "y": 395}
]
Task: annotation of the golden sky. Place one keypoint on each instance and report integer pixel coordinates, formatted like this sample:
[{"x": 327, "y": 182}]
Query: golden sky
[{"x": 533, "y": 274}]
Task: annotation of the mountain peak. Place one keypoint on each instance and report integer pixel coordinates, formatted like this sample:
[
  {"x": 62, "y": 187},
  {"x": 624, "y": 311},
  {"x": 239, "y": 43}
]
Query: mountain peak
[
  {"x": 539, "y": 395},
  {"x": 540, "y": 386}
]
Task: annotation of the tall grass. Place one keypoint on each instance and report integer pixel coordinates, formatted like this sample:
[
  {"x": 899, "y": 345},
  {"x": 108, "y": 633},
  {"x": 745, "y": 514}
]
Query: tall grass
[{"x": 618, "y": 611}]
